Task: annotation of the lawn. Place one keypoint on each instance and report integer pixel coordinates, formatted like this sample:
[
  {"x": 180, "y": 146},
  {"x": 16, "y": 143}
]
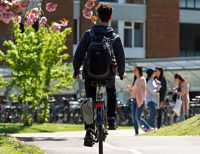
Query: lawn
[
  {"x": 37, "y": 128},
  {"x": 9, "y": 145},
  {"x": 189, "y": 127}
]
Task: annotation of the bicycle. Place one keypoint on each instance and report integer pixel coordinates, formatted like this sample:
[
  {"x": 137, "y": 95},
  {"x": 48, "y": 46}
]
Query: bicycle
[{"x": 99, "y": 116}]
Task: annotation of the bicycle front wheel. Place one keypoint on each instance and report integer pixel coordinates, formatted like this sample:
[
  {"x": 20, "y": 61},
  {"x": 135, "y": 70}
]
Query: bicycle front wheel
[{"x": 100, "y": 138}]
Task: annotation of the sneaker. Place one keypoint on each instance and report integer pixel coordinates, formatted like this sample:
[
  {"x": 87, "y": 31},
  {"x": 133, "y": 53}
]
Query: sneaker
[
  {"x": 111, "y": 124},
  {"x": 89, "y": 138},
  {"x": 148, "y": 130}
]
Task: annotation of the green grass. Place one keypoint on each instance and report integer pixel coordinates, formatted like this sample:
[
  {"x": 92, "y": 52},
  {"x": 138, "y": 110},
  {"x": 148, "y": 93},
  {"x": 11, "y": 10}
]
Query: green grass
[
  {"x": 37, "y": 128},
  {"x": 9, "y": 145},
  {"x": 189, "y": 127},
  {"x": 10, "y": 128}
]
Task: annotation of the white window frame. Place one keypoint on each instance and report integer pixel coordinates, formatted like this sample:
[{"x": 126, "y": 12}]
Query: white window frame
[
  {"x": 133, "y": 52},
  {"x": 129, "y": 27}
]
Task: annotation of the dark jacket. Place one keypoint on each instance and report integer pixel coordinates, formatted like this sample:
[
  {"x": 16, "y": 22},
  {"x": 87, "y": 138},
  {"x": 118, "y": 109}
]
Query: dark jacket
[
  {"x": 82, "y": 48},
  {"x": 163, "y": 89}
]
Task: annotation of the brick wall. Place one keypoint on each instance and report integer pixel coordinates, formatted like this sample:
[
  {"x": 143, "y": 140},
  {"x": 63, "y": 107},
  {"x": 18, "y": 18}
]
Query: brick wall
[
  {"x": 84, "y": 23},
  {"x": 64, "y": 10},
  {"x": 162, "y": 28},
  {"x": 5, "y": 34}
]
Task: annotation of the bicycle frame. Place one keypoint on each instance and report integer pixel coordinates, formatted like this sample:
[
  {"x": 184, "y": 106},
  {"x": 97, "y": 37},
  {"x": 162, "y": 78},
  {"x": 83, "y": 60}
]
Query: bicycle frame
[{"x": 100, "y": 120}]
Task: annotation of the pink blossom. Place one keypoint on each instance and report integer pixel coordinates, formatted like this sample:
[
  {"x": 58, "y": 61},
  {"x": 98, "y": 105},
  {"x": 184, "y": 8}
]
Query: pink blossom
[
  {"x": 17, "y": 19},
  {"x": 56, "y": 27},
  {"x": 6, "y": 17},
  {"x": 34, "y": 15},
  {"x": 87, "y": 13},
  {"x": 2, "y": 9},
  {"x": 51, "y": 7},
  {"x": 16, "y": 6},
  {"x": 42, "y": 21},
  {"x": 29, "y": 22},
  {"x": 89, "y": 4},
  {"x": 64, "y": 23},
  {"x": 16, "y": 2}
]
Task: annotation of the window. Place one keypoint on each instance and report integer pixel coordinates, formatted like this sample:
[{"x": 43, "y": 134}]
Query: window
[
  {"x": 138, "y": 34},
  {"x": 189, "y": 39},
  {"x": 134, "y": 34},
  {"x": 128, "y": 34},
  {"x": 135, "y": 1},
  {"x": 190, "y": 4},
  {"x": 108, "y": 1},
  {"x": 183, "y": 3},
  {"x": 197, "y": 3},
  {"x": 114, "y": 25}
]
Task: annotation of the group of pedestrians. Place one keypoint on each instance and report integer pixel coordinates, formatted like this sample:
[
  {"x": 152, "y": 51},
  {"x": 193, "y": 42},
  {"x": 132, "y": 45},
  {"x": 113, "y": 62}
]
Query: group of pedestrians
[{"x": 152, "y": 91}]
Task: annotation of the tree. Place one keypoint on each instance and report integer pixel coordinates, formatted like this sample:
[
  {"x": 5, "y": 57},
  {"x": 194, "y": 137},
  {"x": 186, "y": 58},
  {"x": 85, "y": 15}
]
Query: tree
[{"x": 37, "y": 61}]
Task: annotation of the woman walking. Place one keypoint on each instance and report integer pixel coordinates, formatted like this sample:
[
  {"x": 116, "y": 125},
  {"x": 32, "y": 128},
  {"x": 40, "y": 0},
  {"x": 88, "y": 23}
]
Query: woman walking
[
  {"x": 152, "y": 97},
  {"x": 138, "y": 94},
  {"x": 162, "y": 93},
  {"x": 182, "y": 91}
]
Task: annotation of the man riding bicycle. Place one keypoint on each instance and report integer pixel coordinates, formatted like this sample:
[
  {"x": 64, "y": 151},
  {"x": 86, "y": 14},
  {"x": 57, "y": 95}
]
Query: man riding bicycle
[{"x": 104, "y": 12}]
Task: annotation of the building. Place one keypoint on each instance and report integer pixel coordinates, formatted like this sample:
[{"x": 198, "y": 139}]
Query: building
[
  {"x": 148, "y": 28},
  {"x": 151, "y": 28}
]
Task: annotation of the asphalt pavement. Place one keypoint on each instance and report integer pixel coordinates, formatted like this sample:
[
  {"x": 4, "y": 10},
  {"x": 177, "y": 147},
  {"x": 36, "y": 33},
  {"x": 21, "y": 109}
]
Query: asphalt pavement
[{"x": 117, "y": 142}]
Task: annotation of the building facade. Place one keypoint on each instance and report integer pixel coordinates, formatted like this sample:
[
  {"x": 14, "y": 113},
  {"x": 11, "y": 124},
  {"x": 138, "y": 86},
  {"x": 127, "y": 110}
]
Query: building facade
[{"x": 148, "y": 28}]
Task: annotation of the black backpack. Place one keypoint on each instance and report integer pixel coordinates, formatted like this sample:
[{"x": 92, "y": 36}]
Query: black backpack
[{"x": 100, "y": 59}]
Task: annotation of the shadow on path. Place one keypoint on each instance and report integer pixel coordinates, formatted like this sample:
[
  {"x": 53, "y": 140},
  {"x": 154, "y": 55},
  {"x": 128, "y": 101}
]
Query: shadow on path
[{"x": 34, "y": 139}]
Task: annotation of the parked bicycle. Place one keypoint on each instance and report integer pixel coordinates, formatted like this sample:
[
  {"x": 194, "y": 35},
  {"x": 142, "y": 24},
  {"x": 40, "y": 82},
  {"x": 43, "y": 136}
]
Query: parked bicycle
[{"x": 124, "y": 113}]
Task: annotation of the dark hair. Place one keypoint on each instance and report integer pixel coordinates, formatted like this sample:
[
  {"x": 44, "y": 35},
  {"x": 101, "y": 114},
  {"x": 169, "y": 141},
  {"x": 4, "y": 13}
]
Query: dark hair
[
  {"x": 104, "y": 11},
  {"x": 135, "y": 77},
  {"x": 140, "y": 72},
  {"x": 149, "y": 74},
  {"x": 178, "y": 76},
  {"x": 161, "y": 71}
]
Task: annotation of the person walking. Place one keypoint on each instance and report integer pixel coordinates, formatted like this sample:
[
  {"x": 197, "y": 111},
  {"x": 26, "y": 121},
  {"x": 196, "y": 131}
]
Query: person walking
[
  {"x": 151, "y": 97},
  {"x": 162, "y": 93},
  {"x": 82, "y": 56},
  {"x": 182, "y": 91},
  {"x": 138, "y": 95}
]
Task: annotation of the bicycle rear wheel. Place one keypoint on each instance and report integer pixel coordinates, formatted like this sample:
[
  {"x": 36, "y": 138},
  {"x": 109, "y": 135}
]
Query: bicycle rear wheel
[{"x": 100, "y": 138}]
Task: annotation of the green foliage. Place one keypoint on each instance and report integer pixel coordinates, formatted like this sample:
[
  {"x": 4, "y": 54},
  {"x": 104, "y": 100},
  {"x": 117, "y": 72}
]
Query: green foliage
[
  {"x": 190, "y": 126},
  {"x": 37, "y": 61},
  {"x": 13, "y": 146},
  {"x": 3, "y": 82}
]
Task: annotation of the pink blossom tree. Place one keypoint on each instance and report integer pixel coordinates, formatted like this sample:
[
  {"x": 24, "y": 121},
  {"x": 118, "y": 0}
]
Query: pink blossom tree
[{"x": 16, "y": 10}]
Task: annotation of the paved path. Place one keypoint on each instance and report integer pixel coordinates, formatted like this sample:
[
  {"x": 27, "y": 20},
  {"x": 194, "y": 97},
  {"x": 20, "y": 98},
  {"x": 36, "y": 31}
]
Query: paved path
[{"x": 118, "y": 142}]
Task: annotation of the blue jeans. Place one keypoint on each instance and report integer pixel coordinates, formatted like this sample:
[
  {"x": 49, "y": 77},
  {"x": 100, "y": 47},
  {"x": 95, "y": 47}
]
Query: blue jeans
[
  {"x": 182, "y": 116},
  {"x": 153, "y": 113},
  {"x": 136, "y": 117}
]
